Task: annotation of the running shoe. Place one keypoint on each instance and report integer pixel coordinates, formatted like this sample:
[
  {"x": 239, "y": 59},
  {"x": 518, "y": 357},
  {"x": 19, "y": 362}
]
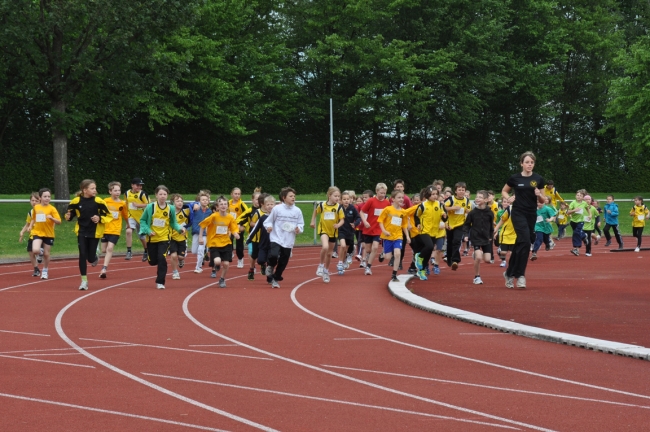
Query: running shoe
[
  {"x": 534, "y": 257},
  {"x": 94, "y": 263},
  {"x": 198, "y": 270},
  {"x": 422, "y": 275},
  {"x": 394, "y": 278},
  {"x": 176, "y": 275},
  {"x": 269, "y": 270},
  {"x": 83, "y": 286},
  {"x": 335, "y": 254},
  {"x": 521, "y": 282},
  {"x": 357, "y": 257},
  {"x": 128, "y": 256},
  {"x": 251, "y": 275},
  {"x": 608, "y": 243},
  {"x": 160, "y": 286},
  {"x": 509, "y": 281},
  {"x": 213, "y": 275},
  {"x": 637, "y": 249},
  {"x": 587, "y": 254},
  {"x": 222, "y": 283},
  {"x": 418, "y": 261},
  {"x": 319, "y": 270},
  {"x": 240, "y": 263},
  {"x": 275, "y": 284},
  {"x": 597, "y": 239},
  {"x": 391, "y": 262},
  {"x": 44, "y": 274},
  {"x": 181, "y": 263},
  {"x": 102, "y": 274},
  {"x": 412, "y": 271},
  {"x": 326, "y": 276},
  {"x": 620, "y": 246},
  {"x": 144, "y": 259},
  {"x": 503, "y": 264},
  {"x": 465, "y": 252},
  {"x": 454, "y": 266},
  {"x": 348, "y": 259},
  {"x": 339, "y": 268},
  {"x": 346, "y": 265},
  {"x": 368, "y": 271},
  {"x": 436, "y": 270},
  {"x": 37, "y": 272},
  {"x": 362, "y": 264},
  {"x": 575, "y": 251},
  {"x": 478, "y": 280},
  {"x": 39, "y": 258},
  {"x": 381, "y": 257}
]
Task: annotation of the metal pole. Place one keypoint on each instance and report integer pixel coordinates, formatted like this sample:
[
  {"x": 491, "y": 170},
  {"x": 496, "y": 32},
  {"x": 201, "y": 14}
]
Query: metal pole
[{"x": 331, "y": 145}]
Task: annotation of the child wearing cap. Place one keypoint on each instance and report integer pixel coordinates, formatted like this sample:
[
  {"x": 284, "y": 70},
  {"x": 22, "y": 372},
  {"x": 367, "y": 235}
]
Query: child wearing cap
[{"x": 136, "y": 201}]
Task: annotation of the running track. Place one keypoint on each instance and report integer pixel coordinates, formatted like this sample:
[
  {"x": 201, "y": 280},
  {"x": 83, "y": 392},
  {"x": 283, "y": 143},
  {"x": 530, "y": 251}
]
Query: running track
[{"x": 309, "y": 356}]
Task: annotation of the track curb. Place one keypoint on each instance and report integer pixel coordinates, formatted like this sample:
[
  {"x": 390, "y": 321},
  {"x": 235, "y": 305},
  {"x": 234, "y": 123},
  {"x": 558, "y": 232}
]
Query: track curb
[{"x": 399, "y": 291}]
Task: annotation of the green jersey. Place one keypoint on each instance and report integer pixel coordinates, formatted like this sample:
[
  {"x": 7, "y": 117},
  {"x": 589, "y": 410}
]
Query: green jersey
[
  {"x": 579, "y": 215},
  {"x": 541, "y": 225},
  {"x": 591, "y": 213}
]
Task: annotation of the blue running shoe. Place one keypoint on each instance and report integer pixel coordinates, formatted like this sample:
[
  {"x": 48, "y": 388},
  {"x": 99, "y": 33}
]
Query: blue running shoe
[
  {"x": 418, "y": 261},
  {"x": 422, "y": 275},
  {"x": 436, "y": 270}
]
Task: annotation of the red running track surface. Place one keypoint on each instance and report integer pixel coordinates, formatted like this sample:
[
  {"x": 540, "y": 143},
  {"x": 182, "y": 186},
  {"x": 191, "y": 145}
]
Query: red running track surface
[{"x": 309, "y": 356}]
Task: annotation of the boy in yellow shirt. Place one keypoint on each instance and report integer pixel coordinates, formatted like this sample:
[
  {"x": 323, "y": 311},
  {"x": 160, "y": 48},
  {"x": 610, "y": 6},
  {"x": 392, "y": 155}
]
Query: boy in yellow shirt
[
  {"x": 113, "y": 229},
  {"x": 393, "y": 223},
  {"x": 220, "y": 225},
  {"x": 640, "y": 213}
]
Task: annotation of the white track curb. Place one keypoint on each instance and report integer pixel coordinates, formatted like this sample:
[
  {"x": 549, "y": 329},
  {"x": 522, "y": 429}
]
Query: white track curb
[{"x": 399, "y": 290}]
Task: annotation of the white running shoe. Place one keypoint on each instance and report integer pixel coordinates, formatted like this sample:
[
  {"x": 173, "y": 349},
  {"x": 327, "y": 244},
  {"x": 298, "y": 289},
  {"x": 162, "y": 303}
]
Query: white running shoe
[
  {"x": 176, "y": 275},
  {"x": 269, "y": 270},
  {"x": 362, "y": 264},
  {"x": 240, "y": 263},
  {"x": 198, "y": 270},
  {"x": 637, "y": 249},
  {"x": 319, "y": 270},
  {"x": 478, "y": 280},
  {"x": 503, "y": 264},
  {"x": 340, "y": 268},
  {"x": 326, "y": 277},
  {"x": 44, "y": 273},
  {"x": 335, "y": 254},
  {"x": 160, "y": 286},
  {"x": 275, "y": 284},
  {"x": 83, "y": 286},
  {"x": 521, "y": 282},
  {"x": 348, "y": 259},
  {"x": 368, "y": 271}
]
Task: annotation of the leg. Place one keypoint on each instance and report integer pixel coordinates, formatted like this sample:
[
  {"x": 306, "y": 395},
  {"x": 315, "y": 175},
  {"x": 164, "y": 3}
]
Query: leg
[
  {"x": 161, "y": 253},
  {"x": 478, "y": 256},
  {"x": 174, "y": 259},
  {"x": 328, "y": 256},
  {"x": 372, "y": 253},
  {"x": 524, "y": 225},
  {"x": 239, "y": 243},
  {"x": 283, "y": 259},
  {"x": 608, "y": 237},
  {"x": 37, "y": 244},
  {"x": 324, "y": 242},
  {"x": 588, "y": 241},
  {"x": 617, "y": 234},
  {"x": 538, "y": 241},
  {"x": 129, "y": 237},
  {"x": 83, "y": 246}
]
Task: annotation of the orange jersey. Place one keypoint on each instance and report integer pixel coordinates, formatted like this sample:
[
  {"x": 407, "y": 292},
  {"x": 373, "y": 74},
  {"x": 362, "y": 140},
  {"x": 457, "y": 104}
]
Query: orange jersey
[
  {"x": 44, "y": 227},
  {"x": 219, "y": 228},
  {"x": 119, "y": 212}
]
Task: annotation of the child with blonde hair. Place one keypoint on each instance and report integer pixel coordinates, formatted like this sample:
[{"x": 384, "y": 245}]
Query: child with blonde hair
[{"x": 332, "y": 217}]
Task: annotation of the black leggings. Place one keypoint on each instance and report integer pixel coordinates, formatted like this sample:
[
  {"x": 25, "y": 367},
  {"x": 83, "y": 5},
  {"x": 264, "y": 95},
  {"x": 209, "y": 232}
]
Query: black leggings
[
  {"x": 157, "y": 255},
  {"x": 278, "y": 258},
  {"x": 454, "y": 241},
  {"x": 524, "y": 225},
  {"x": 87, "y": 252},
  {"x": 427, "y": 248},
  {"x": 588, "y": 240},
  {"x": 608, "y": 237},
  {"x": 638, "y": 233}
]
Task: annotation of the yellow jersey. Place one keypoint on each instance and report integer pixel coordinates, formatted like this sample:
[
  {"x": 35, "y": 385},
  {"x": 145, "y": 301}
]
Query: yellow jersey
[
  {"x": 507, "y": 234},
  {"x": 119, "y": 213},
  {"x": 218, "y": 229},
  {"x": 394, "y": 221},
  {"x": 28, "y": 221},
  {"x": 495, "y": 209},
  {"x": 640, "y": 214},
  {"x": 183, "y": 219},
  {"x": 236, "y": 209},
  {"x": 456, "y": 218},
  {"x": 160, "y": 223},
  {"x": 44, "y": 227},
  {"x": 252, "y": 221},
  {"x": 430, "y": 215},
  {"x": 562, "y": 218},
  {"x": 132, "y": 198},
  {"x": 553, "y": 195},
  {"x": 330, "y": 216},
  {"x": 412, "y": 226}
]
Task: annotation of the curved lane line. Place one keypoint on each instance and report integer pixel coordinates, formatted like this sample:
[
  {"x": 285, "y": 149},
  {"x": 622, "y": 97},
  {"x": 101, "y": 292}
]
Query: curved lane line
[
  {"x": 457, "y": 356},
  {"x": 66, "y": 339},
  {"x": 346, "y": 377}
]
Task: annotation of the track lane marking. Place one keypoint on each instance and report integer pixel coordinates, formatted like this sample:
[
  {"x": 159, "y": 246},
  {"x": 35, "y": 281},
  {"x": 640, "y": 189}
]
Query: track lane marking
[
  {"x": 103, "y": 411},
  {"x": 457, "y": 356},
  {"x": 329, "y": 400},
  {"x": 47, "y": 361},
  {"x": 24, "y": 333},
  {"x": 66, "y": 339},
  {"x": 347, "y": 377}
]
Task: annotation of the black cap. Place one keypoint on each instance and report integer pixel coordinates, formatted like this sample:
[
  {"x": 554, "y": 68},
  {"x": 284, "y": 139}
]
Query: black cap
[{"x": 137, "y": 181}]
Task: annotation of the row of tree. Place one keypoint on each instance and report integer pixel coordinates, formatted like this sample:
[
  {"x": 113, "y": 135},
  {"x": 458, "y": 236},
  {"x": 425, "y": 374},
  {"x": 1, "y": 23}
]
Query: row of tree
[{"x": 217, "y": 93}]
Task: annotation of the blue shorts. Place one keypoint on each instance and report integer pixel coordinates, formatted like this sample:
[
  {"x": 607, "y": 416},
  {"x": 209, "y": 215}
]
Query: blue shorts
[
  {"x": 391, "y": 245},
  {"x": 438, "y": 243}
]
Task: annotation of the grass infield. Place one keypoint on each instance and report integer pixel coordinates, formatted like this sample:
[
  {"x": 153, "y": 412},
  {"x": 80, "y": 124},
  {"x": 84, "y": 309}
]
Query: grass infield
[{"x": 66, "y": 241}]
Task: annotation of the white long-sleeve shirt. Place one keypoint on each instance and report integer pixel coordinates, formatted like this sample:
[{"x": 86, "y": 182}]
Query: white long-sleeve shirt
[{"x": 284, "y": 219}]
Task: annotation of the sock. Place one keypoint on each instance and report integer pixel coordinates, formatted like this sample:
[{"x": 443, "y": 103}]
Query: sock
[
  {"x": 84, "y": 278},
  {"x": 36, "y": 268},
  {"x": 394, "y": 272},
  {"x": 105, "y": 268},
  {"x": 128, "y": 249},
  {"x": 435, "y": 265},
  {"x": 368, "y": 265}
]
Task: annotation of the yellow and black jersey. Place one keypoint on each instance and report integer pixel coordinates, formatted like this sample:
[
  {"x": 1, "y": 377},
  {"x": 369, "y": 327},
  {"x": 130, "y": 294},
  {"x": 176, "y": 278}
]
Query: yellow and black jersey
[
  {"x": 456, "y": 218},
  {"x": 507, "y": 234},
  {"x": 495, "y": 209},
  {"x": 158, "y": 222},
  {"x": 412, "y": 225},
  {"x": 330, "y": 216},
  {"x": 553, "y": 195},
  {"x": 236, "y": 209},
  {"x": 183, "y": 219},
  {"x": 119, "y": 213},
  {"x": 244, "y": 219},
  {"x": 84, "y": 209},
  {"x": 256, "y": 214},
  {"x": 133, "y": 198},
  {"x": 28, "y": 220},
  {"x": 640, "y": 214},
  {"x": 430, "y": 214}
]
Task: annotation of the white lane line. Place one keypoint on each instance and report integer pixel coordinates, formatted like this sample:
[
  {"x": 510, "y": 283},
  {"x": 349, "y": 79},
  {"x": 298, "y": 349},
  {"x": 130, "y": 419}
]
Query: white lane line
[
  {"x": 330, "y": 400},
  {"x": 47, "y": 361},
  {"x": 347, "y": 377},
  {"x": 51, "y": 354},
  {"x": 29, "y": 269},
  {"x": 176, "y": 349},
  {"x": 62, "y": 335},
  {"x": 60, "y": 349},
  {"x": 218, "y": 345},
  {"x": 24, "y": 333},
  {"x": 457, "y": 356},
  {"x": 372, "y": 338},
  {"x": 490, "y": 387},
  {"x": 103, "y": 411}
]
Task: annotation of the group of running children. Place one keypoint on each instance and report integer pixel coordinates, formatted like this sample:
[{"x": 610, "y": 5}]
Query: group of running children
[{"x": 438, "y": 223}]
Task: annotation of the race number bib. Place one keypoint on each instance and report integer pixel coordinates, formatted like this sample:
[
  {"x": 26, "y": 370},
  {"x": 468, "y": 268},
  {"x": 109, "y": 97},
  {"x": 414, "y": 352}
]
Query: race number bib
[
  {"x": 639, "y": 217},
  {"x": 560, "y": 217},
  {"x": 378, "y": 212},
  {"x": 40, "y": 217},
  {"x": 234, "y": 215},
  {"x": 221, "y": 229},
  {"x": 539, "y": 219},
  {"x": 160, "y": 223},
  {"x": 579, "y": 211},
  {"x": 132, "y": 206},
  {"x": 587, "y": 218},
  {"x": 116, "y": 215},
  {"x": 288, "y": 227},
  {"x": 441, "y": 225},
  {"x": 460, "y": 211},
  {"x": 328, "y": 216},
  {"x": 396, "y": 221}
]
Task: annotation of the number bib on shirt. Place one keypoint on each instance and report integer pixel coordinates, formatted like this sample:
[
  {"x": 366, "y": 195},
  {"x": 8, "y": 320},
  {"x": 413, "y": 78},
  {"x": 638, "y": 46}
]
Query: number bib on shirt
[
  {"x": 132, "y": 206},
  {"x": 460, "y": 211},
  {"x": 395, "y": 220},
  {"x": 116, "y": 215},
  {"x": 329, "y": 216},
  {"x": 639, "y": 217},
  {"x": 587, "y": 218},
  {"x": 160, "y": 223},
  {"x": 40, "y": 217},
  {"x": 288, "y": 226},
  {"x": 378, "y": 212},
  {"x": 579, "y": 211},
  {"x": 222, "y": 229},
  {"x": 234, "y": 215},
  {"x": 560, "y": 217},
  {"x": 539, "y": 219}
]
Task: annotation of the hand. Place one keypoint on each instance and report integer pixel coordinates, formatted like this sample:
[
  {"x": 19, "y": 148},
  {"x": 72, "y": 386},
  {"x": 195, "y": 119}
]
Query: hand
[
  {"x": 236, "y": 235},
  {"x": 313, "y": 225},
  {"x": 201, "y": 241},
  {"x": 269, "y": 229},
  {"x": 386, "y": 233},
  {"x": 408, "y": 240},
  {"x": 366, "y": 224},
  {"x": 20, "y": 239},
  {"x": 466, "y": 238},
  {"x": 183, "y": 230},
  {"x": 297, "y": 230},
  {"x": 95, "y": 219},
  {"x": 609, "y": 211},
  {"x": 537, "y": 192}
]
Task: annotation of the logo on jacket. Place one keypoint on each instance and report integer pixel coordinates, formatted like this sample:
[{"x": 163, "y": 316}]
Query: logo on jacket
[{"x": 533, "y": 183}]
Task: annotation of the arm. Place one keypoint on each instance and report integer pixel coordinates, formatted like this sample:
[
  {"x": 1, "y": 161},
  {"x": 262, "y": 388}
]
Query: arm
[
  {"x": 300, "y": 226},
  {"x": 505, "y": 193},
  {"x": 173, "y": 223},
  {"x": 356, "y": 217},
  {"x": 268, "y": 223},
  {"x": 383, "y": 230},
  {"x": 313, "y": 216},
  {"x": 341, "y": 216},
  {"x": 364, "y": 219},
  {"x": 234, "y": 229},
  {"x": 145, "y": 221}
]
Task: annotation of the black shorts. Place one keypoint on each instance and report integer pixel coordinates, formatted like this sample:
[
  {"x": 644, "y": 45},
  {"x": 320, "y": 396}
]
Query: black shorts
[
  {"x": 46, "y": 240},
  {"x": 369, "y": 239},
  {"x": 178, "y": 247},
  {"x": 507, "y": 247},
  {"x": 331, "y": 239},
  {"x": 29, "y": 245},
  {"x": 348, "y": 240},
  {"x": 224, "y": 252},
  {"x": 110, "y": 238},
  {"x": 255, "y": 252},
  {"x": 485, "y": 248}
]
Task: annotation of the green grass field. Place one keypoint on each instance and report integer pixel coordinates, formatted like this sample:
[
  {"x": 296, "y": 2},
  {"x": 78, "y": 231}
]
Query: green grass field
[{"x": 66, "y": 242}]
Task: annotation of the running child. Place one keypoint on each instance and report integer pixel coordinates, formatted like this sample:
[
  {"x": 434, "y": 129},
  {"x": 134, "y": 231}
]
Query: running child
[
  {"x": 589, "y": 224},
  {"x": 45, "y": 217},
  {"x": 640, "y": 213},
  {"x": 33, "y": 200},
  {"x": 393, "y": 224},
  {"x": 479, "y": 230},
  {"x": 371, "y": 231},
  {"x": 414, "y": 232},
  {"x": 505, "y": 233},
  {"x": 113, "y": 229},
  {"x": 562, "y": 220},
  {"x": 156, "y": 224},
  {"x": 597, "y": 229},
  {"x": 365, "y": 196},
  {"x": 258, "y": 237},
  {"x": 220, "y": 227},
  {"x": 201, "y": 212},
  {"x": 332, "y": 217},
  {"x": 346, "y": 231},
  {"x": 91, "y": 213},
  {"x": 283, "y": 224},
  {"x": 611, "y": 222},
  {"x": 236, "y": 207},
  {"x": 576, "y": 212},
  {"x": 457, "y": 207},
  {"x": 178, "y": 243},
  {"x": 246, "y": 222},
  {"x": 543, "y": 228},
  {"x": 552, "y": 193},
  {"x": 400, "y": 186},
  {"x": 430, "y": 220},
  {"x": 136, "y": 200}
]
